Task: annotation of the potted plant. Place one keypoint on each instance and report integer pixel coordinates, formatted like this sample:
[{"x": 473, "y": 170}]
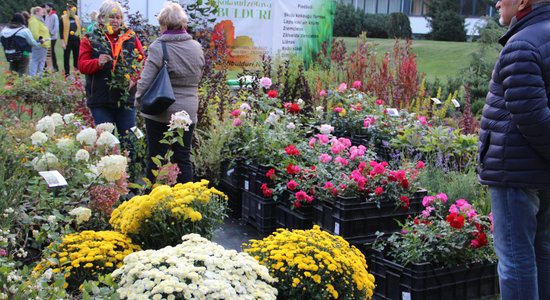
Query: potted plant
[{"x": 444, "y": 253}]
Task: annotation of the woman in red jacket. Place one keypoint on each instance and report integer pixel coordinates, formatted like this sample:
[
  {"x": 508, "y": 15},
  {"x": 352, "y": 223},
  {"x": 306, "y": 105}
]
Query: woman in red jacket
[{"x": 108, "y": 56}]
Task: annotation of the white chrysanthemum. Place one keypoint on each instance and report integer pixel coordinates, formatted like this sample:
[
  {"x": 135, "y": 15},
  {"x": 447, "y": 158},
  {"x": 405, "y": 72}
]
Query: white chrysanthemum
[
  {"x": 81, "y": 214},
  {"x": 68, "y": 118},
  {"x": 107, "y": 139},
  {"x": 326, "y": 129},
  {"x": 290, "y": 126},
  {"x": 57, "y": 119},
  {"x": 38, "y": 138},
  {"x": 108, "y": 127},
  {"x": 112, "y": 167},
  {"x": 87, "y": 136},
  {"x": 82, "y": 155},
  {"x": 181, "y": 119},
  {"x": 46, "y": 125},
  {"x": 65, "y": 143},
  {"x": 46, "y": 162},
  {"x": 273, "y": 118}
]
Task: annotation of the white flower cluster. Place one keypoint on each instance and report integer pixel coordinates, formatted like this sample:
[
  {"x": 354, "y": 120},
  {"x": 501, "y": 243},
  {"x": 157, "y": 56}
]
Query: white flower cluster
[
  {"x": 64, "y": 144},
  {"x": 87, "y": 136},
  {"x": 57, "y": 119},
  {"x": 81, "y": 214},
  {"x": 46, "y": 162},
  {"x": 81, "y": 155},
  {"x": 111, "y": 167},
  {"x": 107, "y": 139},
  {"x": 326, "y": 129},
  {"x": 108, "y": 127},
  {"x": 38, "y": 138},
  {"x": 196, "y": 269},
  {"x": 46, "y": 125},
  {"x": 181, "y": 119}
]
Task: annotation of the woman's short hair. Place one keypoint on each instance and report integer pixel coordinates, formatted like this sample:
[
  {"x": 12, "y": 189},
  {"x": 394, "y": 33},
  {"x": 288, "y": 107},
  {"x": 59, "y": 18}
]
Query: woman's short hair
[
  {"x": 173, "y": 16},
  {"x": 108, "y": 8},
  {"x": 35, "y": 9}
]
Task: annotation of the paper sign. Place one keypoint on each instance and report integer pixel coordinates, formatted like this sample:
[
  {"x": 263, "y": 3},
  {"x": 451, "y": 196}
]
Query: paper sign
[
  {"x": 436, "y": 101},
  {"x": 246, "y": 185},
  {"x": 392, "y": 112},
  {"x": 405, "y": 296},
  {"x": 455, "y": 103},
  {"x": 53, "y": 178},
  {"x": 336, "y": 228},
  {"x": 137, "y": 132}
]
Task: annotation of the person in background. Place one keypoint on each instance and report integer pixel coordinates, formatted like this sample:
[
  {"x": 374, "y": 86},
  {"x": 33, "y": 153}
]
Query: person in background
[
  {"x": 185, "y": 64},
  {"x": 93, "y": 21},
  {"x": 40, "y": 33},
  {"x": 514, "y": 150},
  {"x": 70, "y": 31},
  {"x": 27, "y": 17},
  {"x": 25, "y": 41},
  {"x": 52, "y": 21},
  {"x": 101, "y": 52}
]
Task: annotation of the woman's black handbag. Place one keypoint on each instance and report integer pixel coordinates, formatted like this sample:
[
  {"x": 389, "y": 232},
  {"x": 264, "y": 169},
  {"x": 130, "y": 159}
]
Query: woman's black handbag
[{"x": 159, "y": 96}]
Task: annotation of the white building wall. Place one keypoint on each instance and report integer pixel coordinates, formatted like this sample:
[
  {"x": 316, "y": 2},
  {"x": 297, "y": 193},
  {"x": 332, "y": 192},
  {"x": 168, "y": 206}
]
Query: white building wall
[{"x": 419, "y": 25}]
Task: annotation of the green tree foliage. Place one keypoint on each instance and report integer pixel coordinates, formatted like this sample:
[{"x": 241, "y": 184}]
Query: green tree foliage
[
  {"x": 399, "y": 26},
  {"x": 350, "y": 22},
  {"x": 9, "y": 7},
  {"x": 445, "y": 20}
]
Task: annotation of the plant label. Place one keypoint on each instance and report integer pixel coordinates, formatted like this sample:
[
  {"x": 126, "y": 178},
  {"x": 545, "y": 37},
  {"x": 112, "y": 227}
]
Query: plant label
[
  {"x": 436, "y": 101},
  {"x": 230, "y": 171},
  {"x": 53, "y": 178},
  {"x": 392, "y": 112},
  {"x": 246, "y": 185},
  {"x": 405, "y": 296},
  {"x": 336, "y": 228},
  {"x": 137, "y": 132},
  {"x": 455, "y": 103}
]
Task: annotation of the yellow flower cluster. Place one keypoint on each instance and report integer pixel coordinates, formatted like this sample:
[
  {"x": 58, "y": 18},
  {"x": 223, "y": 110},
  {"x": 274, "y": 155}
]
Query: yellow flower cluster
[
  {"x": 165, "y": 209},
  {"x": 85, "y": 255},
  {"x": 313, "y": 262}
]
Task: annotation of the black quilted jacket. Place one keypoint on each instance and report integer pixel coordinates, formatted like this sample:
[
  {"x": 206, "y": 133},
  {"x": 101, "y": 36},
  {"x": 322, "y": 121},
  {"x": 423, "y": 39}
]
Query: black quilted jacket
[{"x": 514, "y": 140}]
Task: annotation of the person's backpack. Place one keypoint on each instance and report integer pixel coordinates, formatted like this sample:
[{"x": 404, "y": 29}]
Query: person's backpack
[{"x": 12, "y": 50}]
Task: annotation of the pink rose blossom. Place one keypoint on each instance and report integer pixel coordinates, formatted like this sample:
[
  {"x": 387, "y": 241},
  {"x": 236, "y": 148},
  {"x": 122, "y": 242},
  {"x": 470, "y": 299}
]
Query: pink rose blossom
[
  {"x": 265, "y": 82},
  {"x": 428, "y": 200},
  {"x": 338, "y": 109},
  {"x": 379, "y": 102},
  {"x": 236, "y": 113},
  {"x": 342, "y": 87},
  {"x": 341, "y": 160},
  {"x": 378, "y": 191},
  {"x": 443, "y": 197},
  {"x": 426, "y": 212},
  {"x": 237, "y": 122},
  {"x": 322, "y": 93},
  {"x": 420, "y": 165},
  {"x": 368, "y": 121},
  {"x": 422, "y": 120},
  {"x": 312, "y": 142},
  {"x": 325, "y": 158},
  {"x": 356, "y": 84},
  {"x": 291, "y": 185},
  {"x": 323, "y": 138}
]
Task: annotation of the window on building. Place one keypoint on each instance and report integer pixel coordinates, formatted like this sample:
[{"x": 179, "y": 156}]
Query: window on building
[
  {"x": 395, "y": 6},
  {"x": 481, "y": 8},
  {"x": 419, "y": 7},
  {"x": 382, "y": 7},
  {"x": 370, "y": 6},
  {"x": 467, "y": 7}
]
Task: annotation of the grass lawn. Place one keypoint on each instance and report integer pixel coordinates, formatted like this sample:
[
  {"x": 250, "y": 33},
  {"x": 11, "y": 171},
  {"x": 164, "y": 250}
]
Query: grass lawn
[{"x": 435, "y": 59}]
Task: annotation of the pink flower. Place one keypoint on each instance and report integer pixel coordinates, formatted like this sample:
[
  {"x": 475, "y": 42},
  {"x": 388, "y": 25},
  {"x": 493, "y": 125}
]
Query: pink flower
[
  {"x": 291, "y": 185},
  {"x": 236, "y": 113},
  {"x": 312, "y": 142},
  {"x": 265, "y": 82},
  {"x": 356, "y": 84},
  {"x": 342, "y": 87},
  {"x": 443, "y": 197},
  {"x": 426, "y": 212},
  {"x": 270, "y": 174},
  {"x": 328, "y": 185},
  {"x": 3, "y": 252},
  {"x": 342, "y": 161},
  {"x": 378, "y": 191},
  {"x": 420, "y": 165},
  {"x": 337, "y": 109},
  {"x": 237, "y": 122},
  {"x": 422, "y": 120},
  {"x": 337, "y": 147},
  {"x": 322, "y": 93},
  {"x": 345, "y": 141},
  {"x": 428, "y": 200},
  {"x": 303, "y": 196},
  {"x": 379, "y": 102},
  {"x": 357, "y": 151},
  {"x": 323, "y": 138},
  {"x": 325, "y": 158},
  {"x": 368, "y": 121}
]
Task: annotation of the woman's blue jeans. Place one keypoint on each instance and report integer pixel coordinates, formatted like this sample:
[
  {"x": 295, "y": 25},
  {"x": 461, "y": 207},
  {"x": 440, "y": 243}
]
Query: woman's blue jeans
[
  {"x": 123, "y": 118},
  {"x": 521, "y": 233}
]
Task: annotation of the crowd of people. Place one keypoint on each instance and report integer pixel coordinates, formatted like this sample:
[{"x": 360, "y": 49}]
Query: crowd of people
[
  {"x": 33, "y": 35},
  {"x": 111, "y": 57}
]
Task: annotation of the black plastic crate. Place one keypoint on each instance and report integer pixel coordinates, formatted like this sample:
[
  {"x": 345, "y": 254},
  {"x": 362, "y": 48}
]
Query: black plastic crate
[
  {"x": 294, "y": 218},
  {"x": 234, "y": 195},
  {"x": 425, "y": 282},
  {"x": 259, "y": 212},
  {"x": 358, "y": 221},
  {"x": 253, "y": 177}
]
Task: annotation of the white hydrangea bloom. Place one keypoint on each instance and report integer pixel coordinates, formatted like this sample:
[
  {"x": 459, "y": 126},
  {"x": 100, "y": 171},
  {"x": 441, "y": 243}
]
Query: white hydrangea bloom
[
  {"x": 82, "y": 155},
  {"x": 93, "y": 172},
  {"x": 38, "y": 138},
  {"x": 87, "y": 136},
  {"x": 107, "y": 139},
  {"x": 108, "y": 127},
  {"x": 181, "y": 119},
  {"x": 81, "y": 214},
  {"x": 326, "y": 129},
  {"x": 46, "y": 162},
  {"x": 65, "y": 143},
  {"x": 46, "y": 125},
  {"x": 111, "y": 167},
  {"x": 273, "y": 118},
  {"x": 68, "y": 118},
  {"x": 57, "y": 119}
]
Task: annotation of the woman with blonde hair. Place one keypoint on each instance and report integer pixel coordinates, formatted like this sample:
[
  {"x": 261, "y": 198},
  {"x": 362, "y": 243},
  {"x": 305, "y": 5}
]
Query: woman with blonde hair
[
  {"x": 109, "y": 47},
  {"x": 185, "y": 64},
  {"x": 41, "y": 33}
]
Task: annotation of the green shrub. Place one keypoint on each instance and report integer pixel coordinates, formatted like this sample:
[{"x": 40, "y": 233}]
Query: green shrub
[
  {"x": 399, "y": 26},
  {"x": 350, "y": 22},
  {"x": 446, "y": 23},
  {"x": 375, "y": 25}
]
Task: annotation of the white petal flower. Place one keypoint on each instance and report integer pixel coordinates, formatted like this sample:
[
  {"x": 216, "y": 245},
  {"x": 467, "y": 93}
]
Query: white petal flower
[
  {"x": 82, "y": 155},
  {"x": 67, "y": 118},
  {"x": 65, "y": 143},
  {"x": 180, "y": 119},
  {"x": 57, "y": 119},
  {"x": 87, "y": 136},
  {"x": 326, "y": 129},
  {"x": 46, "y": 125},
  {"x": 108, "y": 127},
  {"x": 38, "y": 138},
  {"x": 112, "y": 167},
  {"x": 81, "y": 214},
  {"x": 107, "y": 139},
  {"x": 46, "y": 162},
  {"x": 290, "y": 126}
]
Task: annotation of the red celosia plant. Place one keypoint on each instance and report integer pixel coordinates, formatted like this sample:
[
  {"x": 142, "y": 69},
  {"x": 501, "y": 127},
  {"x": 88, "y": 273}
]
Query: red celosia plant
[{"x": 444, "y": 234}]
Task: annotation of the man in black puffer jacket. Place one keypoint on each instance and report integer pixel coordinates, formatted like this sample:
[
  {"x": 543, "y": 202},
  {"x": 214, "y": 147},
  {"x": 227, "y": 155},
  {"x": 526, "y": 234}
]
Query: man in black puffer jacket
[{"x": 514, "y": 150}]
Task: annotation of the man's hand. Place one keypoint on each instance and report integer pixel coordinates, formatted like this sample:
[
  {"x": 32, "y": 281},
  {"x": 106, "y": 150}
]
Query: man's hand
[{"x": 103, "y": 59}]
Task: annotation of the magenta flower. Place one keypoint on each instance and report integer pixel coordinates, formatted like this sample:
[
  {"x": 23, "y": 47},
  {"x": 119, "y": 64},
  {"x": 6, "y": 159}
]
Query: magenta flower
[
  {"x": 325, "y": 158},
  {"x": 342, "y": 161},
  {"x": 237, "y": 122},
  {"x": 322, "y": 138},
  {"x": 422, "y": 120},
  {"x": 322, "y": 93},
  {"x": 379, "y": 102},
  {"x": 443, "y": 197},
  {"x": 337, "y": 110},
  {"x": 356, "y": 84},
  {"x": 369, "y": 120},
  {"x": 236, "y": 113},
  {"x": 420, "y": 165},
  {"x": 291, "y": 185},
  {"x": 342, "y": 87}
]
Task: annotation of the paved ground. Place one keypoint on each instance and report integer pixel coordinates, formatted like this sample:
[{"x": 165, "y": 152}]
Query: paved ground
[{"x": 233, "y": 233}]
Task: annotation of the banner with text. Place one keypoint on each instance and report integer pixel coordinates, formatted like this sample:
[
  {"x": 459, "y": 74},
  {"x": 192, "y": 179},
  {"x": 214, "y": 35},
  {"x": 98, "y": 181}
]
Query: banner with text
[{"x": 254, "y": 27}]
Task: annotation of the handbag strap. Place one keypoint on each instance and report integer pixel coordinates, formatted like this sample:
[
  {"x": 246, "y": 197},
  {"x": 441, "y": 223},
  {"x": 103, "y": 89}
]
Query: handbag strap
[{"x": 164, "y": 53}]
